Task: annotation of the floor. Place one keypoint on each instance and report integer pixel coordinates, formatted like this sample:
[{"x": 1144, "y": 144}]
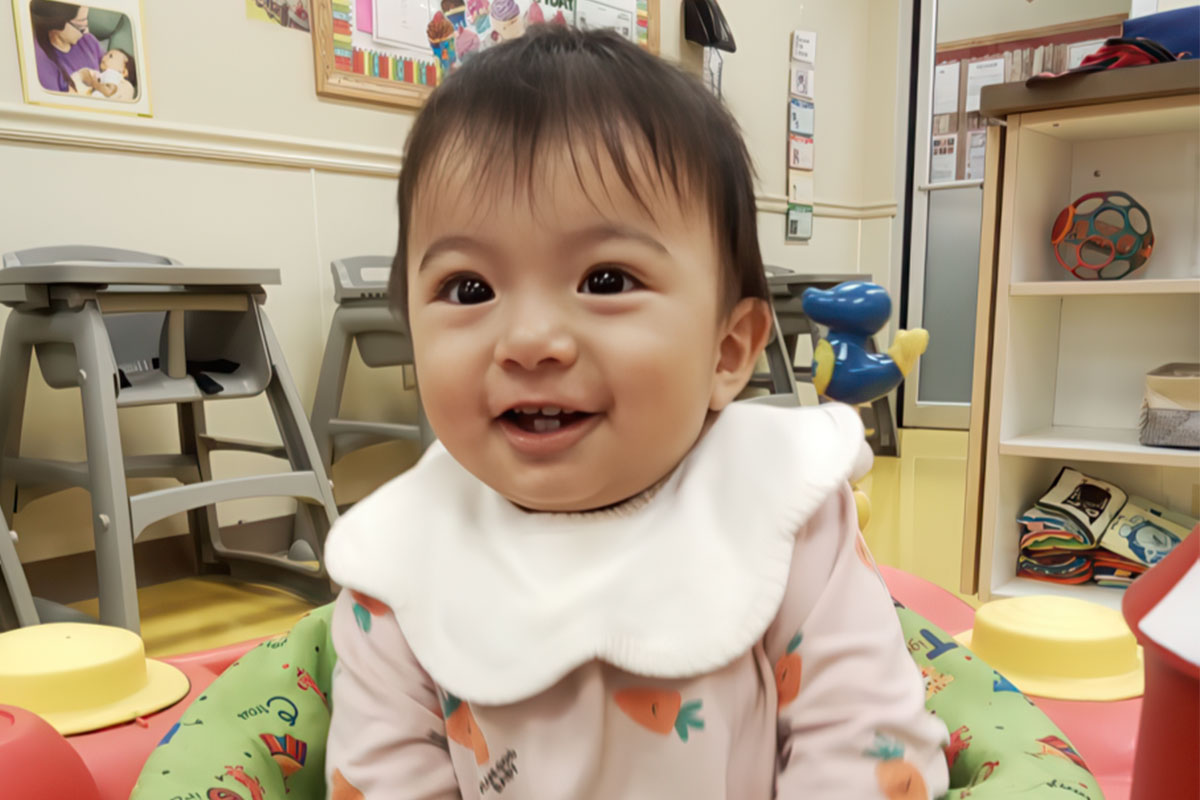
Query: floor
[
  {"x": 915, "y": 525},
  {"x": 195, "y": 614},
  {"x": 917, "y": 506}
]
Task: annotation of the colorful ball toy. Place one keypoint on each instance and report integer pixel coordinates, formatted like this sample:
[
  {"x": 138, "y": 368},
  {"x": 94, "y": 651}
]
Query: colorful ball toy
[{"x": 1103, "y": 235}]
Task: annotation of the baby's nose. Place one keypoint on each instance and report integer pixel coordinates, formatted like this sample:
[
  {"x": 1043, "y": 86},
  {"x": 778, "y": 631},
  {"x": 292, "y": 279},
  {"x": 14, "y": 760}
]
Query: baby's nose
[{"x": 535, "y": 340}]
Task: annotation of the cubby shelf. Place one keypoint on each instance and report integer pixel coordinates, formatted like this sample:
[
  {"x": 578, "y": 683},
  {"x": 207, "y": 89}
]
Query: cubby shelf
[
  {"x": 1096, "y": 444},
  {"x": 1059, "y": 379}
]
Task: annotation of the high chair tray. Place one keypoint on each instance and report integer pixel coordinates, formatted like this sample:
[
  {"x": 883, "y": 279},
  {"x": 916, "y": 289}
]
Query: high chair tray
[{"x": 98, "y": 273}]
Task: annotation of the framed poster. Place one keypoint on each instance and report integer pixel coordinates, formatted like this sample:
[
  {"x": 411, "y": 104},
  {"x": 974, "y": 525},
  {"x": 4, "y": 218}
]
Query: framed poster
[
  {"x": 86, "y": 58},
  {"x": 394, "y": 52}
]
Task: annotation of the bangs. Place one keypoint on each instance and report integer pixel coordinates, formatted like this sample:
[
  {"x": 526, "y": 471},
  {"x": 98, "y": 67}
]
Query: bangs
[
  {"x": 507, "y": 170},
  {"x": 613, "y": 110}
]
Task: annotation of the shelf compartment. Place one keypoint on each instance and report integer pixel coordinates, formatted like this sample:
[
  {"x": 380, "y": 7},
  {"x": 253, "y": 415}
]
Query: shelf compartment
[
  {"x": 1080, "y": 361},
  {"x": 1156, "y": 169},
  {"x": 1018, "y": 482},
  {"x": 1114, "y": 445},
  {"x": 1077, "y": 288}
]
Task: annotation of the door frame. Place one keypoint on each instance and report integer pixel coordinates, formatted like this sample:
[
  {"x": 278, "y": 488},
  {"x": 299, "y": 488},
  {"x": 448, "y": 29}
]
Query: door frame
[{"x": 918, "y": 414}]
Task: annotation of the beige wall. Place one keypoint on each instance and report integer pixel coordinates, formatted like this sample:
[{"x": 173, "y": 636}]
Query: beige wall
[
  {"x": 855, "y": 100},
  {"x": 254, "y": 170}
]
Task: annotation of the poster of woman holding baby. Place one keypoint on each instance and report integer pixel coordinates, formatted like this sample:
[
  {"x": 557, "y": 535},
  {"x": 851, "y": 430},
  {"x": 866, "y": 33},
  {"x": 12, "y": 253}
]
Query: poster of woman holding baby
[{"x": 83, "y": 56}]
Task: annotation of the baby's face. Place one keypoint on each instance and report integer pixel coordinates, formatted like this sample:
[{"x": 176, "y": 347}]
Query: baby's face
[
  {"x": 115, "y": 60},
  {"x": 567, "y": 348}
]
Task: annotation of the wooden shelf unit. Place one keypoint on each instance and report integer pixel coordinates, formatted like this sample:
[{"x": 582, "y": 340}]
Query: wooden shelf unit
[{"x": 1060, "y": 362}]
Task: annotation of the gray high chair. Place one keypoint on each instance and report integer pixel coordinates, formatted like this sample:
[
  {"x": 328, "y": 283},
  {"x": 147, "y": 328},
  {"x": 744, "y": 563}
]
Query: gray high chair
[
  {"x": 16, "y": 602},
  {"x": 364, "y": 319},
  {"x": 131, "y": 329}
]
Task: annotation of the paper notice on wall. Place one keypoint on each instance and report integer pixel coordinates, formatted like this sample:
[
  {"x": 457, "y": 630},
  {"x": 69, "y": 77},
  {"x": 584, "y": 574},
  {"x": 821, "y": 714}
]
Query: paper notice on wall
[
  {"x": 800, "y": 187},
  {"x": 364, "y": 15},
  {"x": 804, "y": 46},
  {"x": 944, "y": 158},
  {"x": 800, "y": 117},
  {"x": 945, "y": 89},
  {"x": 981, "y": 74},
  {"x": 802, "y": 79},
  {"x": 401, "y": 24},
  {"x": 616, "y": 15},
  {"x": 800, "y": 152},
  {"x": 799, "y": 222},
  {"x": 1078, "y": 51},
  {"x": 976, "y": 151}
]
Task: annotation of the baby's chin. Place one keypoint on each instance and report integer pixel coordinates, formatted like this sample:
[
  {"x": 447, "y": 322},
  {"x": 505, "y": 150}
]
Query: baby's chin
[{"x": 571, "y": 500}]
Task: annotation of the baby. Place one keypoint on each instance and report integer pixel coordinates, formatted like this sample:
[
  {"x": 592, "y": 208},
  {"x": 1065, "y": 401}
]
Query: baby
[
  {"x": 116, "y": 80},
  {"x": 607, "y": 579}
]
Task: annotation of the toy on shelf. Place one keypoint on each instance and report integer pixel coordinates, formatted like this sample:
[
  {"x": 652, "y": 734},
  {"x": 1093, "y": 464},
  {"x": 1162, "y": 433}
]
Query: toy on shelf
[
  {"x": 844, "y": 368},
  {"x": 1103, "y": 235},
  {"x": 1087, "y": 529}
]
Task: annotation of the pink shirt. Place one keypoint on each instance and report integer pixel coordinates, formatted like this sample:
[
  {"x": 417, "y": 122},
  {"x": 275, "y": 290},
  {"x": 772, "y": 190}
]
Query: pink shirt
[{"x": 825, "y": 702}]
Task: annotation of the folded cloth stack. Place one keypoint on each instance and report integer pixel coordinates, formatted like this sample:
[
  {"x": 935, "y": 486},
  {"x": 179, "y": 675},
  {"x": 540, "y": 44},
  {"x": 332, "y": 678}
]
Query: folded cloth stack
[{"x": 1085, "y": 529}]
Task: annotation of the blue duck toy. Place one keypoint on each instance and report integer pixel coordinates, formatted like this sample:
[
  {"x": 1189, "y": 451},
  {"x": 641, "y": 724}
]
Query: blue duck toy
[{"x": 843, "y": 367}]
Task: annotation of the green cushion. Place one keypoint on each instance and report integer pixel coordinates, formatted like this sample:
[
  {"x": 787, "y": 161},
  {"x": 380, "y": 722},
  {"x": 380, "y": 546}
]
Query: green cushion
[
  {"x": 1002, "y": 745},
  {"x": 264, "y": 718},
  {"x": 267, "y": 717}
]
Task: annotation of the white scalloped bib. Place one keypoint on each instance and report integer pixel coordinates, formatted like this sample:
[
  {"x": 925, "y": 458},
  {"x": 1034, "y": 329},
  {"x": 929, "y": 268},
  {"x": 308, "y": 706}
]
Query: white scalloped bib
[{"x": 498, "y": 603}]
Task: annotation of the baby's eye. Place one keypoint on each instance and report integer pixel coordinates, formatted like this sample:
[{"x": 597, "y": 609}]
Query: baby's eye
[
  {"x": 466, "y": 290},
  {"x": 608, "y": 280}
]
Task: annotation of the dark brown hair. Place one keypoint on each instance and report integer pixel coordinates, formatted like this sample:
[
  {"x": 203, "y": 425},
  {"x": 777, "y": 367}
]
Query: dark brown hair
[
  {"x": 46, "y": 16},
  {"x": 603, "y": 98},
  {"x": 130, "y": 67}
]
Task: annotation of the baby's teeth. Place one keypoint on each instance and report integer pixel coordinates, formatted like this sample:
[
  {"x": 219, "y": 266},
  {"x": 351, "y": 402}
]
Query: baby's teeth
[
  {"x": 543, "y": 425},
  {"x": 529, "y": 409},
  {"x": 551, "y": 411}
]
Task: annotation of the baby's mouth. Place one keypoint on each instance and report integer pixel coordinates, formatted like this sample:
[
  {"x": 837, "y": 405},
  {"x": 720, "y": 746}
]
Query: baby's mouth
[{"x": 544, "y": 419}]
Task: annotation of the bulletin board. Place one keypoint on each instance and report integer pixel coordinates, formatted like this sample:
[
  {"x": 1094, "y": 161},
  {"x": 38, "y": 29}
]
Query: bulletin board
[
  {"x": 963, "y": 68},
  {"x": 395, "y": 52}
]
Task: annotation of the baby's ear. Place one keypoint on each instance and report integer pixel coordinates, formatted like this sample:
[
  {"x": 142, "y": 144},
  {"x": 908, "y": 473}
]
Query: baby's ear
[{"x": 744, "y": 336}]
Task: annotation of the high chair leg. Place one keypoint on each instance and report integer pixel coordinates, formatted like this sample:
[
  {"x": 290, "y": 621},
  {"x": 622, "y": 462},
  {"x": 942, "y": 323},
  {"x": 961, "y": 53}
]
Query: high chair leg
[
  {"x": 110, "y": 499},
  {"x": 15, "y": 361},
  {"x": 202, "y": 522}
]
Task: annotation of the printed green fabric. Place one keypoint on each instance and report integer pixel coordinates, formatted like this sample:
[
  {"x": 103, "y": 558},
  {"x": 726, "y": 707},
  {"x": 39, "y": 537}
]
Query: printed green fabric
[
  {"x": 259, "y": 730},
  {"x": 1001, "y": 744}
]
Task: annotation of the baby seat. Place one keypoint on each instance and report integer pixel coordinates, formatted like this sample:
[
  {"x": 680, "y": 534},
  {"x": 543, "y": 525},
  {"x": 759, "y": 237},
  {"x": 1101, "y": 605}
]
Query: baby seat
[
  {"x": 233, "y": 742},
  {"x": 133, "y": 329}
]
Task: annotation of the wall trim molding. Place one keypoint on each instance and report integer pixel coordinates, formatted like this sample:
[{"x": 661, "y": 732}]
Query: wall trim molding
[
  {"x": 777, "y": 204},
  {"x": 55, "y": 127},
  {"x": 37, "y": 125}
]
